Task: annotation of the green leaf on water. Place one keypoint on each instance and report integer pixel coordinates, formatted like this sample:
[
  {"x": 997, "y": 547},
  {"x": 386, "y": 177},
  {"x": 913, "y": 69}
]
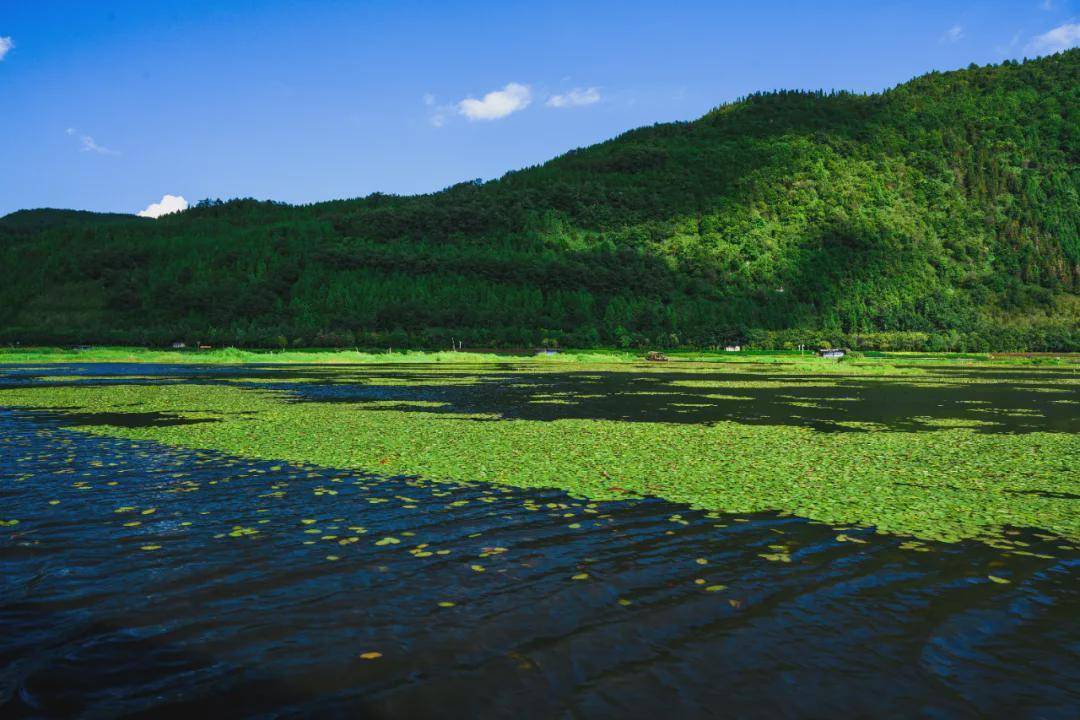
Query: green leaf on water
[{"x": 772, "y": 465}]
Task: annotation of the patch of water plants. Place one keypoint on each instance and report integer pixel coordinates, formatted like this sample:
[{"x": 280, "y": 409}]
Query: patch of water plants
[{"x": 943, "y": 451}]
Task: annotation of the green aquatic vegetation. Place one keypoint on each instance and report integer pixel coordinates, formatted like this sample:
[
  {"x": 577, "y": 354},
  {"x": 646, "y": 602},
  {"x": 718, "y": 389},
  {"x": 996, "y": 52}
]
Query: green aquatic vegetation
[
  {"x": 234, "y": 356},
  {"x": 905, "y": 452}
]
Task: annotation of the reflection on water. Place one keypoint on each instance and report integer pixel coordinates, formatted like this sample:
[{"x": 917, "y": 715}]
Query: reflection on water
[{"x": 137, "y": 579}]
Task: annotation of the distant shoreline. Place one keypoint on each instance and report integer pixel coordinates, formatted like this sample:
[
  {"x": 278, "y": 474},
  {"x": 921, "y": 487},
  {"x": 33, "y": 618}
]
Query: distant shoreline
[{"x": 230, "y": 355}]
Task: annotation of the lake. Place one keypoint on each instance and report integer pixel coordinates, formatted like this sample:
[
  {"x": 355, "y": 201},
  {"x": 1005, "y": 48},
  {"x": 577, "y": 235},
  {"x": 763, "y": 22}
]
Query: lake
[{"x": 150, "y": 579}]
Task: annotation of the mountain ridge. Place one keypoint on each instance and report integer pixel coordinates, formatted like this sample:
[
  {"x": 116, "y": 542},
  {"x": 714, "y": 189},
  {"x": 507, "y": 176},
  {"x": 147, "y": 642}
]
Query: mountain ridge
[{"x": 943, "y": 213}]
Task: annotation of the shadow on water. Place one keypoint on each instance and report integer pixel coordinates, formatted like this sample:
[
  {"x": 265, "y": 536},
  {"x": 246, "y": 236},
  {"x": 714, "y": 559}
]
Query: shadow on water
[
  {"x": 118, "y": 419},
  {"x": 825, "y": 404},
  {"x": 146, "y": 581},
  {"x": 1046, "y": 494}
]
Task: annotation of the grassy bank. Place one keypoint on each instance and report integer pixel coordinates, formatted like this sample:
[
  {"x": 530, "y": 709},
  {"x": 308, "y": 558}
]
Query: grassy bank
[
  {"x": 320, "y": 356},
  {"x": 941, "y": 450}
]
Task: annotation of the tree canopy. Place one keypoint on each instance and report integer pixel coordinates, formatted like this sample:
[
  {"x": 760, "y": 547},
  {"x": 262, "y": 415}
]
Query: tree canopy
[{"x": 941, "y": 214}]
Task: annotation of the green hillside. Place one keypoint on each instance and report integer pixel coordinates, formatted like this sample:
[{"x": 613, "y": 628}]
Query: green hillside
[{"x": 943, "y": 214}]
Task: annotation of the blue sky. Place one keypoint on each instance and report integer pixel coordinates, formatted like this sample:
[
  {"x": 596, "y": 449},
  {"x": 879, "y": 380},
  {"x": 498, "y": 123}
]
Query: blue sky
[{"x": 110, "y": 105}]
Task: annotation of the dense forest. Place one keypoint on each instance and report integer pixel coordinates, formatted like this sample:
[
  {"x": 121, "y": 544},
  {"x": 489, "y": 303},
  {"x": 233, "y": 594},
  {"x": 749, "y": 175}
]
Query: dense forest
[{"x": 943, "y": 214}]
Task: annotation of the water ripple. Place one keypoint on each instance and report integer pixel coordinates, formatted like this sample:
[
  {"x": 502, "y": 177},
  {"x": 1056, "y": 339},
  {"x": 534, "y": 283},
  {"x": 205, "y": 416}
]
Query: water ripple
[{"x": 144, "y": 580}]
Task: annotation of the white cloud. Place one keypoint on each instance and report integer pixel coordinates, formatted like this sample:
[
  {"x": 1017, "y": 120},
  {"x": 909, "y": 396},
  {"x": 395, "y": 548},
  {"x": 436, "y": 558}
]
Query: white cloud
[
  {"x": 168, "y": 204},
  {"x": 5, "y": 45},
  {"x": 437, "y": 114},
  {"x": 497, "y": 103},
  {"x": 88, "y": 144},
  {"x": 953, "y": 34},
  {"x": 1048, "y": 5},
  {"x": 1060, "y": 38},
  {"x": 575, "y": 98}
]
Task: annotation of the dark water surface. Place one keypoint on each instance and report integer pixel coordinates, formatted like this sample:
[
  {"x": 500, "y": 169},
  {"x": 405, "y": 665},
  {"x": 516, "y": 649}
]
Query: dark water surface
[
  {"x": 988, "y": 399},
  {"x": 148, "y": 581}
]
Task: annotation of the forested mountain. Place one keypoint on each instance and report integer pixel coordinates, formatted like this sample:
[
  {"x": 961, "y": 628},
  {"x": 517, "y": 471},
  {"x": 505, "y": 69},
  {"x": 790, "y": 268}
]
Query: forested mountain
[{"x": 941, "y": 214}]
